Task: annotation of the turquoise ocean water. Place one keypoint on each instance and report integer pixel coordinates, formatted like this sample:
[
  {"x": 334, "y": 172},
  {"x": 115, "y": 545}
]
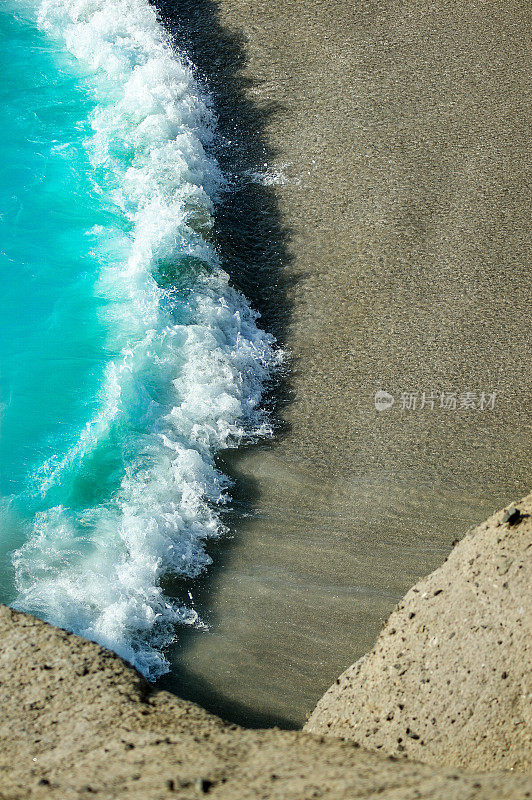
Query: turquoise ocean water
[{"x": 126, "y": 359}]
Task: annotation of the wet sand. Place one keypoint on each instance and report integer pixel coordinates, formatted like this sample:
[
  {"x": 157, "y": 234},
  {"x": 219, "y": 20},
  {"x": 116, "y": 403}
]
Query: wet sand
[{"x": 393, "y": 256}]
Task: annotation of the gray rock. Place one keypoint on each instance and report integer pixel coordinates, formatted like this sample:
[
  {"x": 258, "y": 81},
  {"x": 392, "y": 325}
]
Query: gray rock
[{"x": 457, "y": 669}]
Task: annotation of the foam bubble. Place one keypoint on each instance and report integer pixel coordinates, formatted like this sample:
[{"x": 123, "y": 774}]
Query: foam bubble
[{"x": 192, "y": 362}]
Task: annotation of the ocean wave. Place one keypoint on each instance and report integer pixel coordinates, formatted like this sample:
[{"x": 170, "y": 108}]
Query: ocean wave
[{"x": 191, "y": 364}]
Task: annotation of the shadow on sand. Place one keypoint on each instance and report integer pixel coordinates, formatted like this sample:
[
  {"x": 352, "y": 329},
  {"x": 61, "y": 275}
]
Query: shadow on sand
[{"x": 252, "y": 241}]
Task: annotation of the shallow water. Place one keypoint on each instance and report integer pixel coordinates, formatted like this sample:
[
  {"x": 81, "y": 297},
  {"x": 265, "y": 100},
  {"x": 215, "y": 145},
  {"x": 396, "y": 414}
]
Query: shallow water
[{"x": 127, "y": 361}]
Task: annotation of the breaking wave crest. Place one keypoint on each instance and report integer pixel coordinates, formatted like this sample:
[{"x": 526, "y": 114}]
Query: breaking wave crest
[{"x": 188, "y": 361}]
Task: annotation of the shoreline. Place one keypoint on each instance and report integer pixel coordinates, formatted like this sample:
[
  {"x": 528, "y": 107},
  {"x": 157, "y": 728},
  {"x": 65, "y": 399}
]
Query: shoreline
[
  {"x": 391, "y": 256},
  {"x": 379, "y": 264}
]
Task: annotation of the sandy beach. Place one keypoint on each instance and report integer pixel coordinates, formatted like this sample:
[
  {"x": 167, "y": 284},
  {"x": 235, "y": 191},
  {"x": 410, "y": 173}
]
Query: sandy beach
[
  {"x": 377, "y": 221},
  {"x": 363, "y": 630}
]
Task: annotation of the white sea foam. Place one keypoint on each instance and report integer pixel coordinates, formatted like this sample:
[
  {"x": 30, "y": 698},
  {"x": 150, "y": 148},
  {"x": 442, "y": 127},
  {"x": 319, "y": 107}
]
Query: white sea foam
[
  {"x": 269, "y": 176},
  {"x": 192, "y": 364}
]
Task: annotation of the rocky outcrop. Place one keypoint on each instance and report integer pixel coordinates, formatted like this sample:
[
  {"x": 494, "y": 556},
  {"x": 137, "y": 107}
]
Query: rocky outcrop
[
  {"x": 77, "y": 722},
  {"x": 445, "y": 683},
  {"x": 448, "y": 681}
]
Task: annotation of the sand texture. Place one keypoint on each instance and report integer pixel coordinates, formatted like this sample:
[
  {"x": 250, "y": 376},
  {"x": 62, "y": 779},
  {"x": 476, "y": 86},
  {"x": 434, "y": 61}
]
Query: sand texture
[
  {"x": 449, "y": 678},
  {"x": 76, "y": 721},
  {"x": 378, "y": 219}
]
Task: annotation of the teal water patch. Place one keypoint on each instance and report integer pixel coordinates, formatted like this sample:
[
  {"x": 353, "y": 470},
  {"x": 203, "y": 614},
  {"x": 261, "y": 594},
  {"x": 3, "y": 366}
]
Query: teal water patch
[
  {"x": 53, "y": 347},
  {"x": 126, "y": 359}
]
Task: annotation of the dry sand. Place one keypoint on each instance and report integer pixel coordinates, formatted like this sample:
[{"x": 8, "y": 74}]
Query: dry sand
[{"x": 392, "y": 257}]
